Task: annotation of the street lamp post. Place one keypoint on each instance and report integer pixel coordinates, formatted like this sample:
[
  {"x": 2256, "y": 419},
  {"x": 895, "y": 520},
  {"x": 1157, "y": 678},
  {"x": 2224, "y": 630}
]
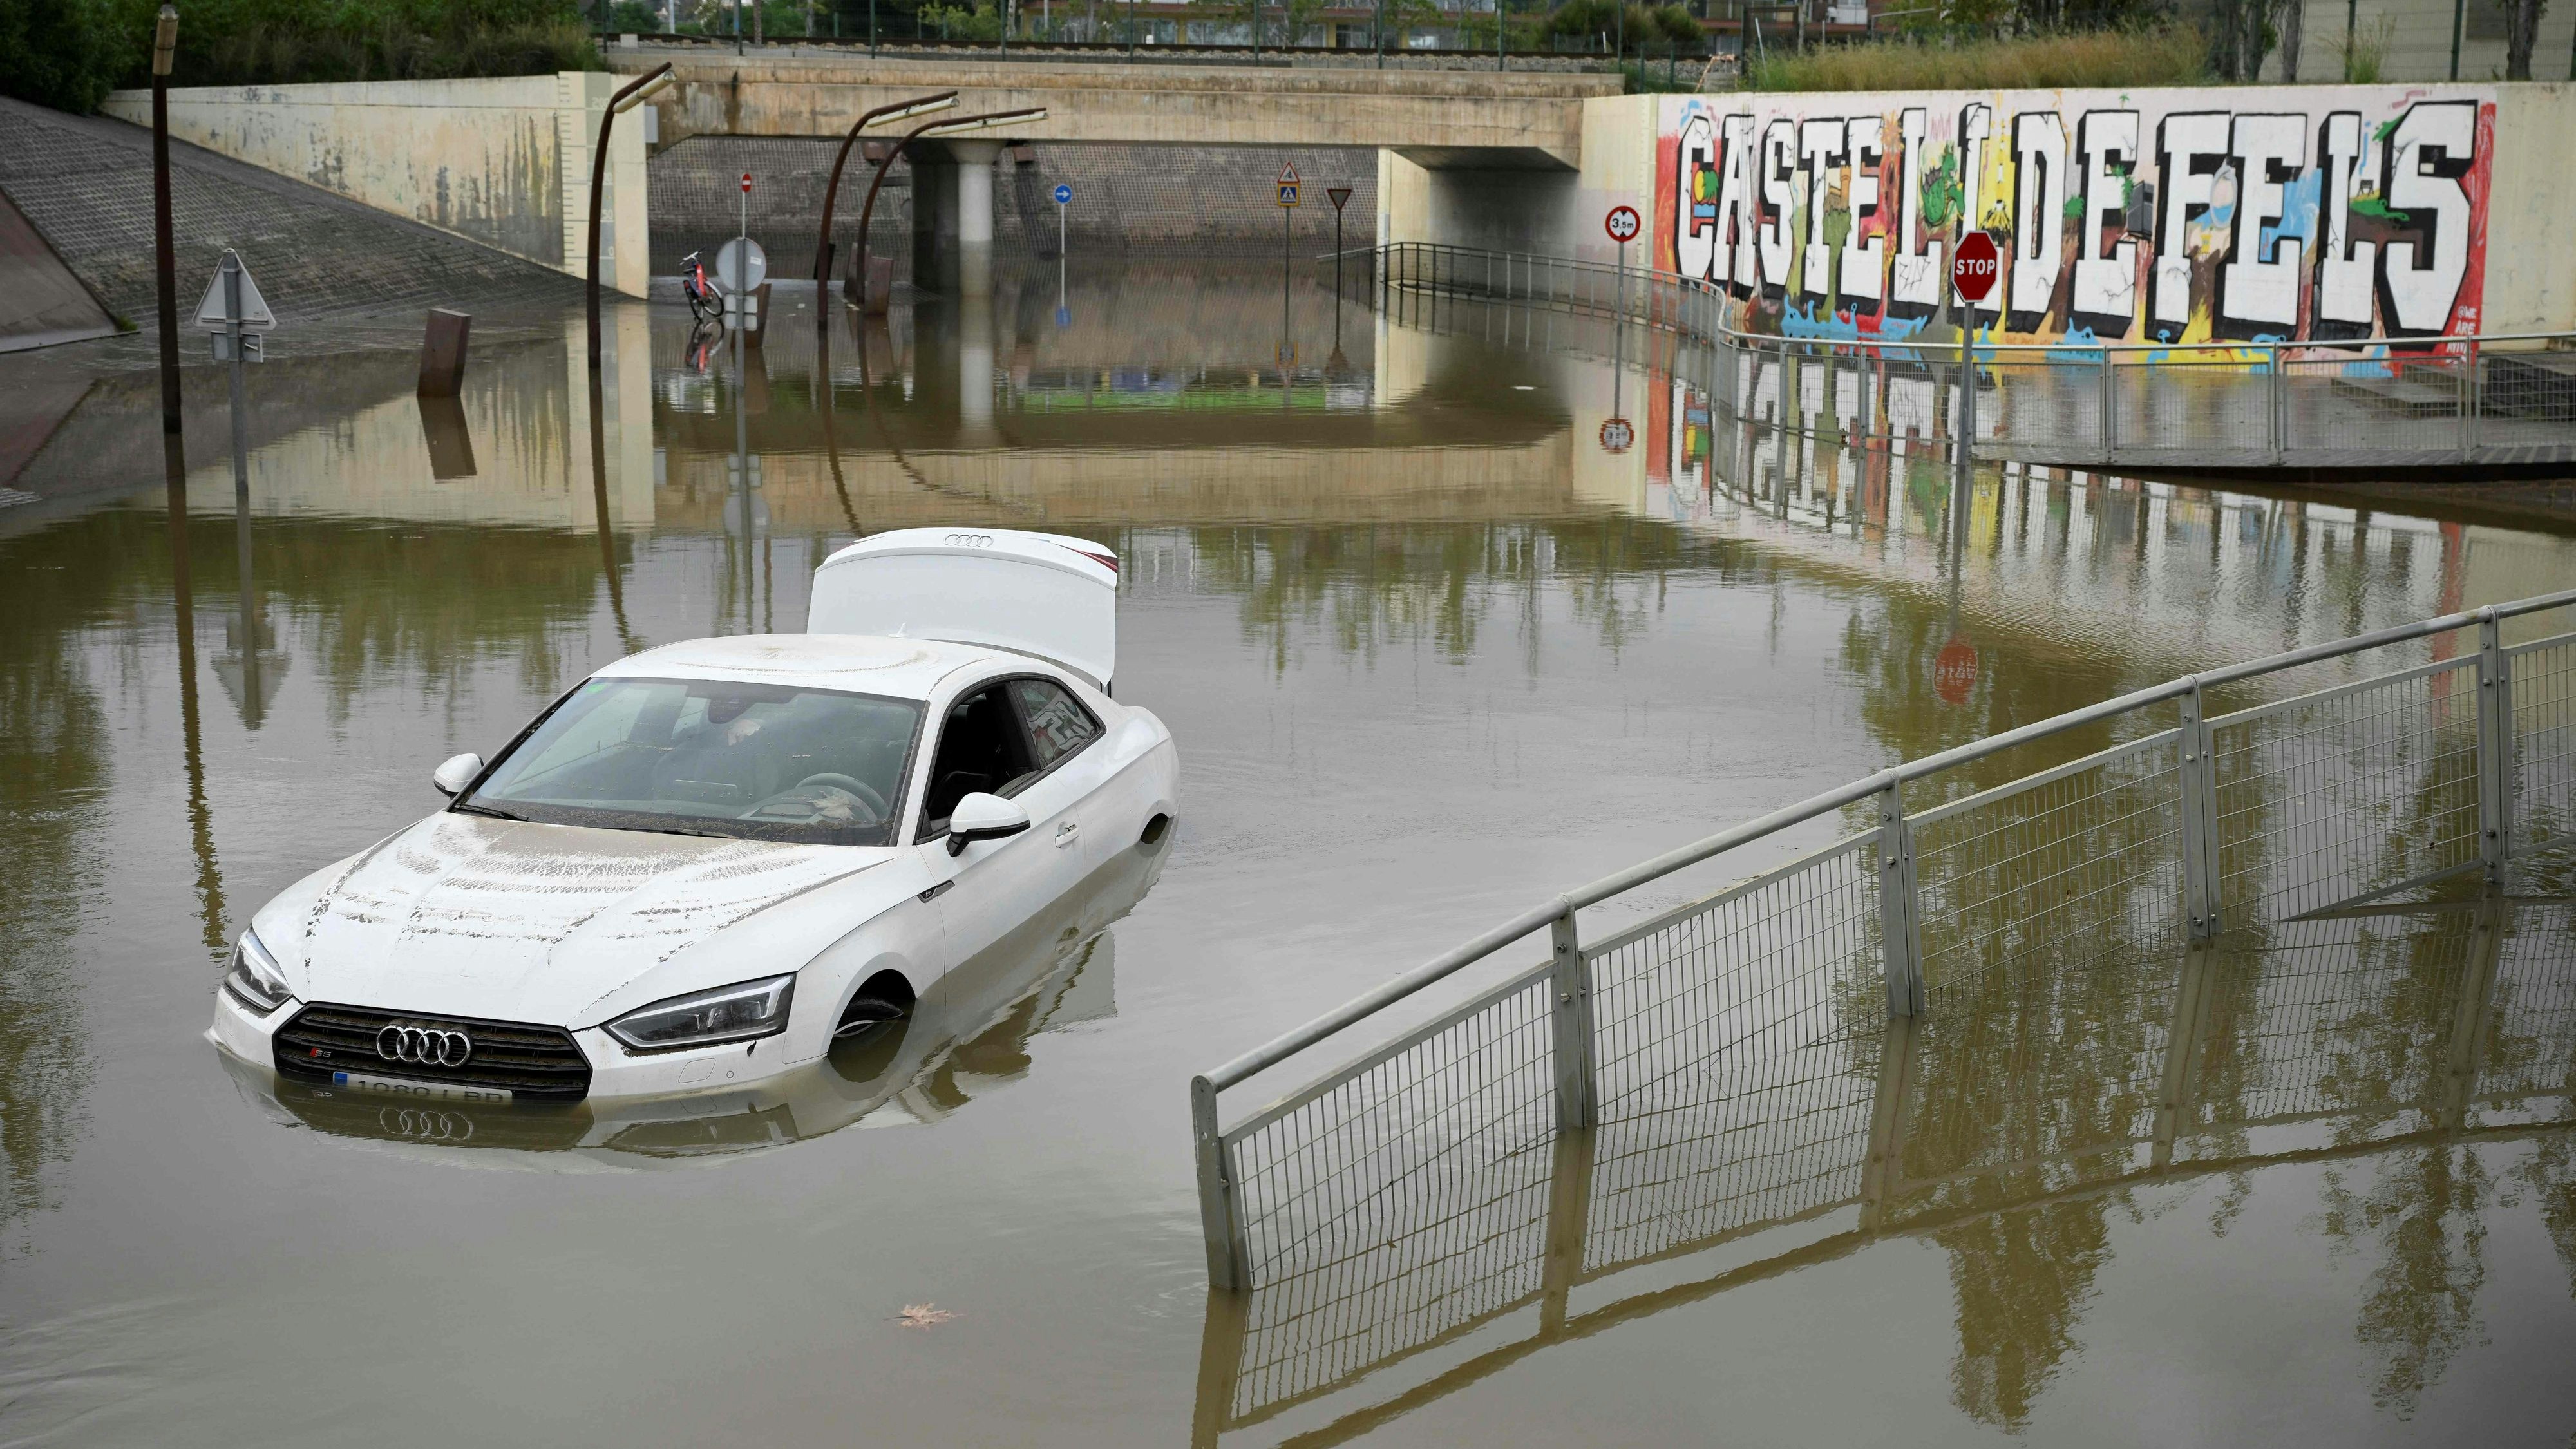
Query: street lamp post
[
  {"x": 959, "y": 126},
  {"x": 900, "y": 110},
  {"x": 165, "y": 40},
  {"x": 634, "y": 94}
]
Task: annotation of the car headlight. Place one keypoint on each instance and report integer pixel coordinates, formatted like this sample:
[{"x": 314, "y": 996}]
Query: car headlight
[
  {"x": 253, "y": 979},
  {"x": 703, "y": 1018}
]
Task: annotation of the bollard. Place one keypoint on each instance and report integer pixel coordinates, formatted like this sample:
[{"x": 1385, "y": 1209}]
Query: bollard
[
  {"x": 442, "y": 353},
  {"x": 756, "y": 326}
]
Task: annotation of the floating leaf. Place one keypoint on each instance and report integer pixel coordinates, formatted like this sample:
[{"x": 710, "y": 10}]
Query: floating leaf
[{"x": 923, "y": 1315}]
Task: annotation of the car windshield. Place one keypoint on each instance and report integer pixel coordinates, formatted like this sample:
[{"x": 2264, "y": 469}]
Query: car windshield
[{"x": 700, "y": 757}]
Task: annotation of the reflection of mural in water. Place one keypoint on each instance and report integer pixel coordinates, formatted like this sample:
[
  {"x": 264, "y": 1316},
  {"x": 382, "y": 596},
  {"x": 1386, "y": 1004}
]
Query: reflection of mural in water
[{"x": 2404, "y": 1052}]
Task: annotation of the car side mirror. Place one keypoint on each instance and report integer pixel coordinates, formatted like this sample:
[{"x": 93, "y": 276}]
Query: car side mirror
[
  {"x": 456, "y": 774},
  {"x": 983, "y": 817}
]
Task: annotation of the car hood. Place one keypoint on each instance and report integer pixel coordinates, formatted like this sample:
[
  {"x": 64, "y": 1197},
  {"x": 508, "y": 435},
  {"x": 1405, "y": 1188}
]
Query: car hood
[{"x": 464, "y": 915}]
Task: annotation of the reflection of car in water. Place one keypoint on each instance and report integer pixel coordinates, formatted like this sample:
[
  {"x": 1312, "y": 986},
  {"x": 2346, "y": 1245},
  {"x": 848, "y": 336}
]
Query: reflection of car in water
[
  {"x": 710, "y": 863},
  {"x": 969, "y": 1031}
]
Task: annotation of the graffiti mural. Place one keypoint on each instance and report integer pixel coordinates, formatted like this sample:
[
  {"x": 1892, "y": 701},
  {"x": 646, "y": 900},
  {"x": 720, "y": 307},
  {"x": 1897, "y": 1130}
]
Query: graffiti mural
[{"x": 2329, "y": 213}]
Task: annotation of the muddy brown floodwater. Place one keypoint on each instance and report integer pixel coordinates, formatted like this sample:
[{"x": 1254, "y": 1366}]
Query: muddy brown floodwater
[{"x": 1431, "y": 652}]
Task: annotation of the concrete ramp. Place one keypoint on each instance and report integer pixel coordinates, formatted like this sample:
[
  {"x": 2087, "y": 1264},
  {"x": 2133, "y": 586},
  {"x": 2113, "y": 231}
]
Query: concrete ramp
[{"x": 41, "y": 302}]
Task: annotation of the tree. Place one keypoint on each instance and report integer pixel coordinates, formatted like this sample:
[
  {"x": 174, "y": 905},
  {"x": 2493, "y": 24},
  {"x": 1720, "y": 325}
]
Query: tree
[
  {"x": 2241, "y": 35},
  {"x": 67, "y": 54},
  {"x": 2521, "y": 34}
]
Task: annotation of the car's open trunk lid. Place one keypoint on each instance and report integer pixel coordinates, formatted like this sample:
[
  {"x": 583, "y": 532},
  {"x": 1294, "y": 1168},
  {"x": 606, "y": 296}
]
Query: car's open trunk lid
[{"x": 1036, "y": 593}]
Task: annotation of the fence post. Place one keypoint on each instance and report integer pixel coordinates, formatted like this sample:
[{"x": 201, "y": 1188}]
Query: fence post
[
  {"x": 2279, "y": 427},
  {"x": 1570, "y": 1019},
  {"x": 1897, "y": 923},
  {"x": 1220, "y": 1208},
  {"x": 2468, "y": 404},
  {"x": 2495, "y": 748},
  {"x": 2110, "y": 407},
  {"x": 2199, "y": 818}
]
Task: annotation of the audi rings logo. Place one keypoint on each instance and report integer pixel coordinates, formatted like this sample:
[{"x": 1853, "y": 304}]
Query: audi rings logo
[
  {"x": 424, "y": 1046},
  {"x": 970, "y": 540},
  {"x": 425, "y": 1126}
]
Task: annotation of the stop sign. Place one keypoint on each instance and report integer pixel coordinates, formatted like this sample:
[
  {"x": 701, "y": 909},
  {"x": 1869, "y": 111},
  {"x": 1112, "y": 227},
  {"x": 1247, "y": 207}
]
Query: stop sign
[
  {"x": 1954, "y": 671},
  {"x": 1972, "y": 271}
]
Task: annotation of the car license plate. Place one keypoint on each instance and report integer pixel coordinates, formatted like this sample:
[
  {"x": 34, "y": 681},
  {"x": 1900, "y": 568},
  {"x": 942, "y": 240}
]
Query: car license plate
[{"x": 404, "y": 1087}]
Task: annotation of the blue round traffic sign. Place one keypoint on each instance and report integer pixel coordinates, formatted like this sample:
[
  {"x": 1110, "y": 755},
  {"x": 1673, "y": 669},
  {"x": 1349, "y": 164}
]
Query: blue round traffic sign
[{"x": 1063, "y": 193}]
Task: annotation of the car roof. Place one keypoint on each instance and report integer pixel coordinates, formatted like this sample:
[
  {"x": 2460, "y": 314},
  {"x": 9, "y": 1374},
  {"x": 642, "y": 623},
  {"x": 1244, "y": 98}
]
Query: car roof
[{"x": 859, "y": 663}]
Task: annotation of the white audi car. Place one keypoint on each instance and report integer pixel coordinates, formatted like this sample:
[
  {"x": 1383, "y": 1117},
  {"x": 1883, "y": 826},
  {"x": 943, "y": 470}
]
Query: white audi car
[{"x": 708, "y": 860}]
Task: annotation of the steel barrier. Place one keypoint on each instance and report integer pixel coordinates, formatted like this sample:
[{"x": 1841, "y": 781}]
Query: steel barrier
[
  {"x": 2187, "y": 822},
  {"x": 2481, "y": 398},
  {"x": 2350, "y": 1035}
]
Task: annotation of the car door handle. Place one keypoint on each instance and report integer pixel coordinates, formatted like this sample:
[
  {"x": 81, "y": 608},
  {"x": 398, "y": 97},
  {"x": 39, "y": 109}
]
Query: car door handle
[{"x": 1065, "y": 833}]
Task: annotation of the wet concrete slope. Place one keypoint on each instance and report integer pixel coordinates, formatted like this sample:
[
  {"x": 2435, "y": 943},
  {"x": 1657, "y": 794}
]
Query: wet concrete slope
[
  {"x": 85, "y": 183},
  {"x": 41, "y": 302}
]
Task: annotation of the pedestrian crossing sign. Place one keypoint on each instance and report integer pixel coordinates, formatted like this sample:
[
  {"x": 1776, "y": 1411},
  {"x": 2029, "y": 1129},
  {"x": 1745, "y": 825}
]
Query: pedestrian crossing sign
[{"x": 1288, "y": 184}]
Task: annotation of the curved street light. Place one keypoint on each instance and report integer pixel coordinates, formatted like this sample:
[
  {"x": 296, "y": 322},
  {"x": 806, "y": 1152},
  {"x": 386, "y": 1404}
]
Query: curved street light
[
  {"x": 900, "y": 110},
  {"x": 957, "y": 127},
  {"x": 633, "y": 94}
]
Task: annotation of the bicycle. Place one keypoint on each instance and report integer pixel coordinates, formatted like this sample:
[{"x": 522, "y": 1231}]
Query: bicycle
[{"x": 705, "y": 294}]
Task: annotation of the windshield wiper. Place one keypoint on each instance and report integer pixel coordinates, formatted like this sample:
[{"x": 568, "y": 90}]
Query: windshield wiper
[
  {"x": 463, "y": 808},
  {"x": 701, "y": 834}
]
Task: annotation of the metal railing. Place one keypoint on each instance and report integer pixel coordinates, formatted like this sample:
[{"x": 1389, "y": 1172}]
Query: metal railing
[
  {"x": 2186, "y": 822},
  {"x": 1161, "y": 39},
  {"x": 2477, "y": 398},
  {"x": 2354, "y": 1034}
]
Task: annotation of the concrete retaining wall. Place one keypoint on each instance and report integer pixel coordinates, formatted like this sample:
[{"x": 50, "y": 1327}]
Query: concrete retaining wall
[
  {"x": 2450, "y": 203},
  {"x": 505, "y": 162}
]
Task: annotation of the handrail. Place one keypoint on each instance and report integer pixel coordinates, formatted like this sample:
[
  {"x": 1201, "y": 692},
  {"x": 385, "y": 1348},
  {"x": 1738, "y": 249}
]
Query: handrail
[
  {"x": 1720, "y": 331},
  {"x": 1288, "y": 1044},
  {"x": 1601, "y": 63}
]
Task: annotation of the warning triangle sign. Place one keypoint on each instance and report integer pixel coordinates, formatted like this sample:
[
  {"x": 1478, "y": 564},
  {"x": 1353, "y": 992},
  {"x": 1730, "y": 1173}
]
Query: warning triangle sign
[{"x": 214, "y": 316}]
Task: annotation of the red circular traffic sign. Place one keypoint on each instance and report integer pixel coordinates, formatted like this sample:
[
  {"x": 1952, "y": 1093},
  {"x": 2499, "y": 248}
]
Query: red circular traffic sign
[
  {"x": 1623, "y": 224},
  {"x": 746, "y": 181},
  {"x": 1954, "y": 670},
  {"x": 1973, "y": 270},
  {"x": 1617, "y": 434}
]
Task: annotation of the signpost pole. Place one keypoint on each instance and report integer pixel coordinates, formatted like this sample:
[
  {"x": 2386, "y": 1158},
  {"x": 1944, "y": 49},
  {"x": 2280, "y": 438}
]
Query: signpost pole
[
  {"x": 232, "y": 276},
  {"x": 1973, "y": 269},
  {"x": 1967, "y": 404},
  {"x": 165, "y": 40}
]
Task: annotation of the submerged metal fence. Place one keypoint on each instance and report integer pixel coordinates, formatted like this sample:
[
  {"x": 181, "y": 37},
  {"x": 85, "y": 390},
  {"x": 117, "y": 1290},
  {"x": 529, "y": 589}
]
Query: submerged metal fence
[
  {"x": 2489, "y": 398},
  {"x": 1743, "y": 1011},
  {"x": 2343, "y": 1035}
]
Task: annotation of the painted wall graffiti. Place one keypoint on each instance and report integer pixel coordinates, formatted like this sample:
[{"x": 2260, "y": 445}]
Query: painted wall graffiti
[{"x": 2324, "y": 213}]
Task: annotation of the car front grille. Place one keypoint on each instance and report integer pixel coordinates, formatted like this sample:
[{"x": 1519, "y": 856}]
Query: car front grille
[{"x": 539, "y": 1062}]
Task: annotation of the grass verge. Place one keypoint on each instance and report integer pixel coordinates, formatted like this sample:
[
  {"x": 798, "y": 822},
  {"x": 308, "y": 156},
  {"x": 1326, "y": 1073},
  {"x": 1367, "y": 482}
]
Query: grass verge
[{"x": 2163, "y": 55}]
